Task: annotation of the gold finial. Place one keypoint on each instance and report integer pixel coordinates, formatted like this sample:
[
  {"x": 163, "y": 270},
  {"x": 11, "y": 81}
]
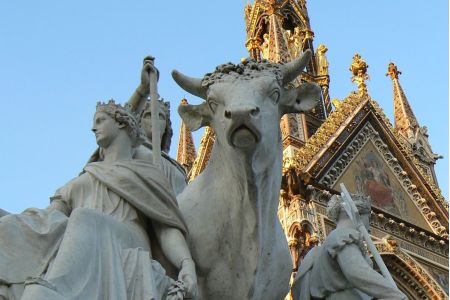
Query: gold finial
[
  {"x": 244, "y": 61},
  {"x": 184, "y": 101},
  {"x": 359, "y": 70},
  {"x": 392, "y": 71},
  {"x": 336, "y": 102}
]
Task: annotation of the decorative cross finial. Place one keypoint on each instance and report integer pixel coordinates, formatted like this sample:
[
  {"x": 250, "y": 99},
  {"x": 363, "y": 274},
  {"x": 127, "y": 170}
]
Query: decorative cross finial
[
  {"x": 392, "y": 71},
  {"x": 359, "y": 70}
]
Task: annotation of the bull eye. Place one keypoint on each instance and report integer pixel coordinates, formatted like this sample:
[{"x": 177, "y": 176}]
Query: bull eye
[
  {"x": 275, "y": 96},
  {"x": 212, "y": 106}
]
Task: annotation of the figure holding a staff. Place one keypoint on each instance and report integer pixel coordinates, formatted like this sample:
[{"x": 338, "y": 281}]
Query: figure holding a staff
[
  {"x": 341, "y": 268},
  {"x": 158, "y": 121}
]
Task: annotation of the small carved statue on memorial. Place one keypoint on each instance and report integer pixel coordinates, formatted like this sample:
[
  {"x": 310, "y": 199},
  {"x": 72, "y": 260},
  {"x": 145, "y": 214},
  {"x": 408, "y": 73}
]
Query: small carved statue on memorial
[
  {"x": 297, "y": 41},
  {"x": 265, "y": 46},
  {"x": 95, "y": 240},
  {"x": 309, "y": 36},
  {"x": 321, "y": 59},
  {"x": 340, "y": 269},
  {"x": 288, "y": 40}
]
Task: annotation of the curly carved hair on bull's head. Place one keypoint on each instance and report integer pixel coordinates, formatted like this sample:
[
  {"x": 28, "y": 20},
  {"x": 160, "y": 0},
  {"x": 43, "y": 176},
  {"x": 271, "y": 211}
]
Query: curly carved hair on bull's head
[
  {"x": 293, "y": 99},
  {"x": 246, "y": 70}
]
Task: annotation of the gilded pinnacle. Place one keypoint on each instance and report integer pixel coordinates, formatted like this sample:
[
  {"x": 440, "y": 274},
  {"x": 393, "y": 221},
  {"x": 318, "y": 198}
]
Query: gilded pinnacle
[
  {"x": 359, "y": 70},
  {"x": 392, "y": 71}
]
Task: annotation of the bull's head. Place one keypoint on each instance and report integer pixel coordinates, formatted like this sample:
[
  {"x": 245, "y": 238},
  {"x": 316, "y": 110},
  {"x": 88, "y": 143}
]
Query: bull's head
[{"x": 244, "y": 103}]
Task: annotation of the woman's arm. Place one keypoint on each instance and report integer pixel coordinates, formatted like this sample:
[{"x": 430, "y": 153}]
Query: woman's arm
[
  {"x": 361, "y": 275},
  {"x": 137, "y": 100},
  {"x": 174, "y": 246}
]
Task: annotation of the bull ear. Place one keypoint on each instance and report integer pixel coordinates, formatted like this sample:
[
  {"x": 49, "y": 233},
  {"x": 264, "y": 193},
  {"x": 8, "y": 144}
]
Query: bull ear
[
  {"x": 195, "y": 116},
  {"x": 302, "y": 99}
]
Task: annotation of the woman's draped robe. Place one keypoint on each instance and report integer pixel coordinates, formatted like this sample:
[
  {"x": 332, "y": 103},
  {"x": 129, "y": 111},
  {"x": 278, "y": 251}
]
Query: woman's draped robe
[
  {"x": 102, "y": 250},
  {"x": 324, "y": 273},
  {"x": 174, "y": 172}
]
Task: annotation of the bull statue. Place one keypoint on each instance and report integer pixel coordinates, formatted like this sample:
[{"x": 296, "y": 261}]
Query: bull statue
[{"x": 236, "y": 238}]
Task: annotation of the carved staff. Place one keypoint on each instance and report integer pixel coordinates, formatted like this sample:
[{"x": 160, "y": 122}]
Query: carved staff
[
  {"x": 352, "y": 212},
  {"x": 154, "y": 105}
]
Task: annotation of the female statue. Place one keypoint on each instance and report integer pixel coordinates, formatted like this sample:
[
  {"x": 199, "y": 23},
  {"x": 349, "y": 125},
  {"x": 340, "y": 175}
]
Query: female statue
[
  {"x": 138, "y": 102},
  {"x": 95, "y": 240}
]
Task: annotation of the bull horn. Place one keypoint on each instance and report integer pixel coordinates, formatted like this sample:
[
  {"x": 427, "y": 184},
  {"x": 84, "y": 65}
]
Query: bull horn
[
  {"x": 189, "y": 84},
  {"x": 292, "y": 69}
]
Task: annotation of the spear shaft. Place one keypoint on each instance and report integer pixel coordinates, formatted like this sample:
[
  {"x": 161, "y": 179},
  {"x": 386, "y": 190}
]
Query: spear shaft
[
  {"x": 353, "y": 214},
  {"x": 154, "y": 105}
]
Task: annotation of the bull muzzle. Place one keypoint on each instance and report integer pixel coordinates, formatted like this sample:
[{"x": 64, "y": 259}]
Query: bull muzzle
[
  {"x": 243, "y": 136},
  {"x": 243, "y": 133}
]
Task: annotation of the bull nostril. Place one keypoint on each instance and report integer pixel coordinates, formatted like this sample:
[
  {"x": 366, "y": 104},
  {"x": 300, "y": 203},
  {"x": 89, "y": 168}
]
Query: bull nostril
[
  {"x": 254, "y": 112},
  {"x": 228, "y": 114}
]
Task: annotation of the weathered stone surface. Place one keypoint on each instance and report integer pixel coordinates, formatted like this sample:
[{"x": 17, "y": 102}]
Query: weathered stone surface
[
  {"x": 93, "y": 241},
  {"x": 231, "y": 208},
  {"x": 341, "y": 268}
]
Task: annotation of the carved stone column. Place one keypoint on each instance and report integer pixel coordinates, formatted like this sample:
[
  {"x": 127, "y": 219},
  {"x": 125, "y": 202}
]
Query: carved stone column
[{"x": 293, "y": 248}]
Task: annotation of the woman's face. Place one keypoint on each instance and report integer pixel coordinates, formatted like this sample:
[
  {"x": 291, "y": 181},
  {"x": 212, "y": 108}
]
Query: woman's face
[
  {"x": 105, "y": 129},
  {"x": 146, "y": 123}
]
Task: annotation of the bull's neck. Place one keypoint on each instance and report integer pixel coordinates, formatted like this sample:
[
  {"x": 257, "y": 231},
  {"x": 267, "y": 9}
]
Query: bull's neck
[{"x": 258, "y": 174}]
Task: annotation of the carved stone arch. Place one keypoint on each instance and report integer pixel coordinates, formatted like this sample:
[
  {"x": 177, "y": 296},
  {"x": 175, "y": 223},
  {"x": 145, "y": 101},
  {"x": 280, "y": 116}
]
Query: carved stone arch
[
  {"x": 308, "y": 225},
  {"x": 411, "y": 278},
  {"x": 293, "y": 228},
  {"x": 297, "y": 14},
  {"x": 299, "y": 226},
  {"x": 301, "y": 239},
  {"x": 289, "y": 17},
  {"x": 261, "y": 26}
]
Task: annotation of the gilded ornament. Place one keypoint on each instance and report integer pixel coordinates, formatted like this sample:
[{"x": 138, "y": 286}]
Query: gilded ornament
[
  {"x": 324, "y": 133},
  {"x": 265, "y": 46},
  {"x": 392, "y": 71},
  {"x": 321, "y": 60},
  {"x": 359, "y": 71},
  {"x": 271, "y": 6}
]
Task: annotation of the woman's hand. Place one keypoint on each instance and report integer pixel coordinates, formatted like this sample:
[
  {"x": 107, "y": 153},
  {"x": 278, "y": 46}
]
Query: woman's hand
[
  {"x": 188, "y": 276},
  {"x": 148, "y": 66}
]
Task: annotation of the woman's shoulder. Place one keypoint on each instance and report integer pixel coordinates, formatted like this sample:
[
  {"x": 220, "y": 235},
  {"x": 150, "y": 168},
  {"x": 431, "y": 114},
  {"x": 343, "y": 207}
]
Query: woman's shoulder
[
  {"x": 174, "y": 164},
  {"x": 143, "y": 153}
]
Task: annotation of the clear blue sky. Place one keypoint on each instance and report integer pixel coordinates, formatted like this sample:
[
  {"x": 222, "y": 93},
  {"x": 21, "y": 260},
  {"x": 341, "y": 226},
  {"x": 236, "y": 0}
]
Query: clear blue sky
[{"x": 58, "y": 58}]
